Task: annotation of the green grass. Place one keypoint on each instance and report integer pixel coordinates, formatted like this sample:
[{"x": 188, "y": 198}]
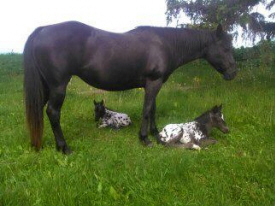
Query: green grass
[{"x": 110, "y": 167}]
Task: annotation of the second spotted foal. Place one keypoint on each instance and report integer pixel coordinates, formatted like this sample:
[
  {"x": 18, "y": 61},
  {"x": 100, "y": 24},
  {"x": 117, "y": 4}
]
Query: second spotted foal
[
  {"x": 194, "y": 134},
  {"x": 110, "y": 118}
]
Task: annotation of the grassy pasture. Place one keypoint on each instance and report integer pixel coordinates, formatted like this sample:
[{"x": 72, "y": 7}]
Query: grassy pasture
[{"x": 110, "y": 167}]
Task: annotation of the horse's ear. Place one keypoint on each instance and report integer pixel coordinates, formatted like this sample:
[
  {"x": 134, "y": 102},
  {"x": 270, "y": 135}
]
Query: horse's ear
[
  {"x": 94, "y": 102},
  {"x": 219, "y": 31},
  {"x": 102, "y": 102},
  {"x": 220, "y": 107}
]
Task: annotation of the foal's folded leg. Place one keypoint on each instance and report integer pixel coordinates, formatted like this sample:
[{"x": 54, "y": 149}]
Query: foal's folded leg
[
  {"x": 208, "y": 141},
  {"x": 102, "y": 125},
  {"x": 115, "y": 126},
  {"x": 189, "y": 145}
]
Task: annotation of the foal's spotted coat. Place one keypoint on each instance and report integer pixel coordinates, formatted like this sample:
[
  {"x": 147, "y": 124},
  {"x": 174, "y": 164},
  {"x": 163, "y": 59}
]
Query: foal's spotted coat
[
  {"x": 110, "y": 118},
  {"x": 193, "y": 134}
]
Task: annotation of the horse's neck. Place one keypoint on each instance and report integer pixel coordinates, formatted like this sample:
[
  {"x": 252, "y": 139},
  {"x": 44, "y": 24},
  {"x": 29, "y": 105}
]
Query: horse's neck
[
  {"x": 190, "y": 45},
  {"x": 109, "y": 112},
  {"x": 204, "y": 124}
]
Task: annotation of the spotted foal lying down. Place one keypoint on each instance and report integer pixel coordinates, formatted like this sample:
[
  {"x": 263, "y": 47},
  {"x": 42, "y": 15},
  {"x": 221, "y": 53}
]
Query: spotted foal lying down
[
  {"x": 110, "y": 118},
  {"x": 193, "y": 135}
]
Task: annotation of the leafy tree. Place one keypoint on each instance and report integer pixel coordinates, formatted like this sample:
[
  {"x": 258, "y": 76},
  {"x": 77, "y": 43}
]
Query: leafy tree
[{"x": 231, "y": 13}]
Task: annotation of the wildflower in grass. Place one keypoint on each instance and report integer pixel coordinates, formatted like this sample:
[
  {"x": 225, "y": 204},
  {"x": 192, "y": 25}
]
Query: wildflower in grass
[{"x": 196, "y": 81}]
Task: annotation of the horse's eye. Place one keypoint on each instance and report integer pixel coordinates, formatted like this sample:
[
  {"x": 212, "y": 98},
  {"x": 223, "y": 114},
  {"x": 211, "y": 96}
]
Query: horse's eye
[{"x": 227, "y": 49}]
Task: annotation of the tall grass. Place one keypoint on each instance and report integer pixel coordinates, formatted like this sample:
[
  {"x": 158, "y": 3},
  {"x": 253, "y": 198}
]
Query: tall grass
[{"x": 110, "y": 167}]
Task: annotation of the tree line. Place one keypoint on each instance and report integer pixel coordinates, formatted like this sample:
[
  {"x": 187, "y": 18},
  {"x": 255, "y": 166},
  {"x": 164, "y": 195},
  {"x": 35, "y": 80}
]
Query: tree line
[{"x": 232, "y": 14}]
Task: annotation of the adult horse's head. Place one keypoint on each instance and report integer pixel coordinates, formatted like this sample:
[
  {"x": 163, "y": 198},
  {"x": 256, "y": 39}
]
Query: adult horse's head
[{"x": 220, "y": 55}]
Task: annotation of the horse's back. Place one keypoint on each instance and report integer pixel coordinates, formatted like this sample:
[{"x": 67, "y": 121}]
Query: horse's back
[
  {"x": 66, "y": 39},
  {"x": 58, "y": 49},
  {"x": 106, "y": 60}
]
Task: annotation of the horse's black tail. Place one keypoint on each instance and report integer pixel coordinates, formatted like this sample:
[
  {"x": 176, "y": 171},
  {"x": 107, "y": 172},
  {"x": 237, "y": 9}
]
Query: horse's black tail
[{"x": 34, "y": 92}]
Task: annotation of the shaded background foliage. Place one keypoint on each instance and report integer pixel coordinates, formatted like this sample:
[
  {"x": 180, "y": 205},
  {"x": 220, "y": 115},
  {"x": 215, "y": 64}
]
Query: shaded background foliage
[{"x": 230, "y": 13}]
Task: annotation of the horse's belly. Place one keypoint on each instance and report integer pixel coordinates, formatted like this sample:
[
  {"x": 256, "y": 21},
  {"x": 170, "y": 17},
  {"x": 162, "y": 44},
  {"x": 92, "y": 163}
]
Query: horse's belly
[{"x": 112, "y": 83}]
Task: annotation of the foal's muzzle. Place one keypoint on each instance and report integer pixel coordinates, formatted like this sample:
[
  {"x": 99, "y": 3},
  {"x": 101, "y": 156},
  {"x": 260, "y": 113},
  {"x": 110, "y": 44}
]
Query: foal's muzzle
[{"x": 225, "y": 130}]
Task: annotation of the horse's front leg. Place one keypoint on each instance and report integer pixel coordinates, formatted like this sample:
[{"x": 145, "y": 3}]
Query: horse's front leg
[{"x": 151, "y": 90}]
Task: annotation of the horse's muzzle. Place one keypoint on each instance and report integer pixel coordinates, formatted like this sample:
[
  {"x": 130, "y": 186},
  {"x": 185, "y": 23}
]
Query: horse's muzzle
[{"x": 230, "y": 76}]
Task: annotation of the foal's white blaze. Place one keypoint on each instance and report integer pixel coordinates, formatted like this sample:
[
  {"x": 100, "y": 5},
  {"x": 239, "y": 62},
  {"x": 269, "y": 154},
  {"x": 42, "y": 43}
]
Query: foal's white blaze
[{"x": 222, "y": 117}]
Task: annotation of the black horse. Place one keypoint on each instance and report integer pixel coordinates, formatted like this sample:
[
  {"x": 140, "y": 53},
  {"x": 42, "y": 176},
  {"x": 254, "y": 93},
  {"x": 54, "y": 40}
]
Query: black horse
[{"x": 143, "y": 57}]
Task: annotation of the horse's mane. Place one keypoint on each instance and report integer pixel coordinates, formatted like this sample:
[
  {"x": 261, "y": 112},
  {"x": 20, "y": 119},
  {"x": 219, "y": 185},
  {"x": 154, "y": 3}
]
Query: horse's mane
[
  {"x": 203, "y": 118},
  {"x": 191, "y": 38},
  {"x": 202, "y": 121},
  {"x": 107, "y": 108},
  {"x": 187, "y": 37}
]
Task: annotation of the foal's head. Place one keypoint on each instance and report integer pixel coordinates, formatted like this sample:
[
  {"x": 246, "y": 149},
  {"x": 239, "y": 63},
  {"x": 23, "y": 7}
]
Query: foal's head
[
  {"x": 220, "y": 54},
  {"x": 217, "y": 120},
  {"x": 100, "y": 109}
]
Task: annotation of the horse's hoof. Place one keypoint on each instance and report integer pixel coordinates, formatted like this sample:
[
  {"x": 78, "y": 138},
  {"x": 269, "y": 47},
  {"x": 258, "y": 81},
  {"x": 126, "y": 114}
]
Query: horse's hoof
[
  {"x": 67, "y": 150},
  {"x": 147, "y": 143},
  {"x": 150, "y": 144},
  {"x": 158, "y": 139}
]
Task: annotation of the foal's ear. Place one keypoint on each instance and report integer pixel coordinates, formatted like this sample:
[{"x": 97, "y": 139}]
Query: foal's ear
[
  {"x": 95, "y": 102},
  {"x": 215, "y": 109},
  {"x": 219, "y": 31},
  {"x": 102, "y": 102},
  {"x": 220, "y": 107}
]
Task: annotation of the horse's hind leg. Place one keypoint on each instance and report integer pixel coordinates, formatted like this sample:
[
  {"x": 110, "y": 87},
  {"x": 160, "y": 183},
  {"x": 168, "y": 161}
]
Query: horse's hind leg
[
  {"x": 153, "y": 127},
  {"x": 56, "y": 99}
]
